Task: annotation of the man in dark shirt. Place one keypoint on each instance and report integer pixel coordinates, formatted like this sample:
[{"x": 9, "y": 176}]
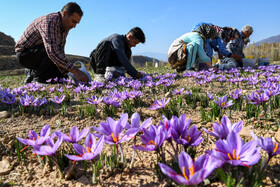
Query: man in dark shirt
[
  {"x": 111, "y": 58},
  {"x": 41, "y": 47}
]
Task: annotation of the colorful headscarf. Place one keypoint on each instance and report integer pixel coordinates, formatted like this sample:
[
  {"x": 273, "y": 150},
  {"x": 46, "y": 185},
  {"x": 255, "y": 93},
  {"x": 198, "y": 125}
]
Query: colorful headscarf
[
  {"x": 225, "y": 33},
  {"x": 207, "y": 31}
]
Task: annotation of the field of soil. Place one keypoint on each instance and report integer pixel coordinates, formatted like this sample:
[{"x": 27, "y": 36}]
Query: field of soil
[{"x": 33, "y": 172}]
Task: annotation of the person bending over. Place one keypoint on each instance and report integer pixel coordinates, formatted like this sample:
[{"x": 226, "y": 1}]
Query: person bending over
[
  {"x": 41, "y": 47},
  {"x": 111, "y": 58}
]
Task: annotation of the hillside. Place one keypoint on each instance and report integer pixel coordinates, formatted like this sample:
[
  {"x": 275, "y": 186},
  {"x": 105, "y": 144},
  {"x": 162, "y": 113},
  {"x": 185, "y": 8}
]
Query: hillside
[{"x": 270, "y": 40}]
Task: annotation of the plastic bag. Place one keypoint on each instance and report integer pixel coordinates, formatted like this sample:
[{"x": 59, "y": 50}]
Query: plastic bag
[{"x": 83, "y": 69}]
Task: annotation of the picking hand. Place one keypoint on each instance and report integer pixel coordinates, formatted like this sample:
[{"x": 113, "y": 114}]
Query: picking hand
[{"x": 80, "y": 76}]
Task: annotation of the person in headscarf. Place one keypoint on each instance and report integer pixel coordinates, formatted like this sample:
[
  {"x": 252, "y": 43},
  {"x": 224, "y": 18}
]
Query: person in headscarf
[
  {"x": 187, "y": 51},
  {"x": 225, "y": 34}
]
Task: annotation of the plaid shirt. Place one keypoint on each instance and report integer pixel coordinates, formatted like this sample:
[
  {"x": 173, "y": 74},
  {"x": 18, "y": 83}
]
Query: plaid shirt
[
  {"x": 236, "y": 46},
  {"x": 47, "y": 30}
]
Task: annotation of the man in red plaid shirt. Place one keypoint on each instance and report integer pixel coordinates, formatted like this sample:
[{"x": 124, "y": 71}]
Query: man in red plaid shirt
[{"x": 41, "y": 47}]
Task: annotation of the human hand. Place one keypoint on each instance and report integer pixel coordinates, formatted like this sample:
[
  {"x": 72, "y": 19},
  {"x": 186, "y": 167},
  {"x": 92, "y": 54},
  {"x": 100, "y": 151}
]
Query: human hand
[
  {"x": 79, "y": 75},
  {"x": 139, "y": 75}
]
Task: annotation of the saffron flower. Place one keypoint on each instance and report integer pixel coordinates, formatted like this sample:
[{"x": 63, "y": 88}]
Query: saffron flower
[
  {"x": 210, "y": 97},
  {"x": 136, "y": 121},
  {"x": 181, "y": 134},
  {"x": 178, "y": 91},
  {"x": 50, "y": 148},
  {"x": 152, "y": 138},
  {"x": 222, "y": 130},
  {"x": 74, "y": 135},
  {"x": 222, "y": 102},
  {"x": 236, "y": 95},
  {"x": 94, "y": 100},
  {"x": 271, "y": 147},
  {"x": 113, "y": 130},
  {"x": 34, "y": 139},
  {"x": 57, "y": 99},
  {"x": 193, "y": 172},
  {"x": 232, "y": 150},
  {"x": 90, "y": 151},
  {"x": 159, "y": 104}
]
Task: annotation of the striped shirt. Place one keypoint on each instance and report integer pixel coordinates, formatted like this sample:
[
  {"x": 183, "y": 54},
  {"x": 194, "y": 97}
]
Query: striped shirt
[{"x": 47, "y": 30}]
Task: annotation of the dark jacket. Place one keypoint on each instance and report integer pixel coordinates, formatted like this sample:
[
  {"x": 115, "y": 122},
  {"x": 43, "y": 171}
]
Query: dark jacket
[{"x": 112, "y": 51}]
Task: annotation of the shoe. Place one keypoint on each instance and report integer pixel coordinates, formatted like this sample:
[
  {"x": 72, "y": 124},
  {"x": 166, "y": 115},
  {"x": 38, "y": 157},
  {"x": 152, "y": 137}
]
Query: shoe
[{"x": 29, "y": 77}]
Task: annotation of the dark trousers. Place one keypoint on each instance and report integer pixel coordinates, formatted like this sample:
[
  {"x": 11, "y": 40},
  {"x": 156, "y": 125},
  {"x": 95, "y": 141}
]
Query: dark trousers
[
  {"x": 39, "y": 65},
  {"x": 103, "y": 56}
]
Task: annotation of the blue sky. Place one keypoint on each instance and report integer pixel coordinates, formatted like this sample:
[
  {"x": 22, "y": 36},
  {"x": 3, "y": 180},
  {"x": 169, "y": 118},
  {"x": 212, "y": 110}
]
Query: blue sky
[{"x": 162, "y": 21}]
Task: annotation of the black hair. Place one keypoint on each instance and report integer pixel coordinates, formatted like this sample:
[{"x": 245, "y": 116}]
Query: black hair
[
  {"x": 71, "y": 8},
  {"x": 136, "y": 32}
]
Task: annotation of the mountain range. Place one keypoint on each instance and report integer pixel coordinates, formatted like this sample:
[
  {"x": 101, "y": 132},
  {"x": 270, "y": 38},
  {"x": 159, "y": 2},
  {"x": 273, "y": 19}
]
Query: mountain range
[{"x": 270, "y": 40}]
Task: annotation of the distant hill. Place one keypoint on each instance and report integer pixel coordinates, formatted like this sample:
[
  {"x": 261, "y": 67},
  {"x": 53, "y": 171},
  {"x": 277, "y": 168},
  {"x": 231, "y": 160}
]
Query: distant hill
[
  {"x": 272, "y": 39},
  {"x": 159, "y": 56},
  {"x": 140, "y": 61},
  {"x": 6, "y": 40}
]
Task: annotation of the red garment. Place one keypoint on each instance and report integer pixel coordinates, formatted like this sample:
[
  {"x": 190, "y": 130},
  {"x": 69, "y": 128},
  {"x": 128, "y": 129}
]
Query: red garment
[{"x": 47, "y": 30}]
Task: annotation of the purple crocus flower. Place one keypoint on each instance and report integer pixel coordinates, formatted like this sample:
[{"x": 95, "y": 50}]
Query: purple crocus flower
[
  {"x": 271, "y": 147},
  {"x": 34, "y": 139},
  {"x": 222, "y": 130},
  {"x": 222, "y": 102},
  {"x": 210, "y": 97},
  {"x": 136, "y": 121},
  {"x": 159, "y": 104},
  {"x": 50, "y": 148},
  {"x": 57, "y": 99},
  {"x": 74, "y": 136},
  {"x": 236, "y": 94},
  {"x": 90, "y": 151},
  {"x": 193, "y": 172},
  {"x": 8, "y": 98},
  {"x": 188, "y": 92},
  {"x": 152, "y": 138},
  {"x": 52, "y": 89},
  {"x": 60, "y": 89},
  {"x": 232, "y": 150},
  {"x": 26, "y": 100},
  {"x": 113, "y": 130},
  {"x": 182, "y": 135},
  {"x": 258, "y": 98},
  {"x": 94, "y": 100},
  {"x": 178, "y": 91}
]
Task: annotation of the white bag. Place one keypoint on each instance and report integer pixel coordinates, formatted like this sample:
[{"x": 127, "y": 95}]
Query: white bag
[{"x": 83, "y": 69}]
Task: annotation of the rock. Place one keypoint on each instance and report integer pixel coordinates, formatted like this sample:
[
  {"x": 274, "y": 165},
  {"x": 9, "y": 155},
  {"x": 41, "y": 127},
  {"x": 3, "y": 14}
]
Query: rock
[
  {"x": 70, "y": 172},
  {"x": 5, "y": 140},
  {"x": 277, "y": 135},
  {"x": 168, "y": 94},
  {"x": 4, "y": 114},
  {"x": 5, "y": 167},
  {"x": 84, "y": 180},
  {"x": 244, "y": 132},
  {"x": 46, "y": 169}
]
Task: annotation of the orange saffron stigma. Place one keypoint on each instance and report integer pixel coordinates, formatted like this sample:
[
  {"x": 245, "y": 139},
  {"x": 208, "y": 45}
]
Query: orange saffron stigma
[
  {"x": 23, "y": 149},
  {"x": 276, "y": 147},
  {"x": 115, "y": 140},
  {"x": 192, "y": 170},
  {"x": 223, "y": 104},
  {"x": 151, "y": 142},
  {"x": 184, "y": 173},
  {"x": 233, "y": 156}
]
